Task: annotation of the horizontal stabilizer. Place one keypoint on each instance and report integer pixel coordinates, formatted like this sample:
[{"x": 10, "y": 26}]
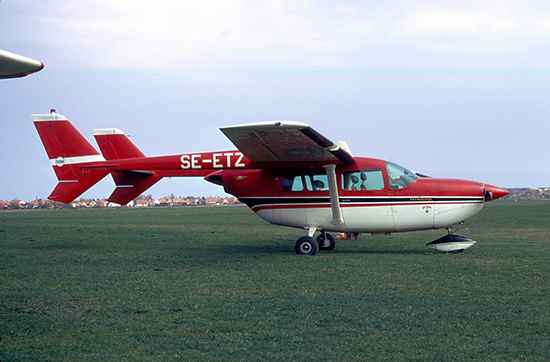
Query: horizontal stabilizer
[
  {"x": 130, "y": 184},
  {"x": 68, "y": 190}
]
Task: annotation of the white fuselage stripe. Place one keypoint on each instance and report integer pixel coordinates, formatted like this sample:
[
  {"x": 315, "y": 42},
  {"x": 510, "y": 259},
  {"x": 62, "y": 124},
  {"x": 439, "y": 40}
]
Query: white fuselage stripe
[{"x": 61, "y": 161}]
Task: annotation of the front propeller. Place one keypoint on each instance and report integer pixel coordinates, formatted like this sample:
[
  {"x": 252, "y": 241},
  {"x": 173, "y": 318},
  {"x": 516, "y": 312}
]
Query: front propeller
[{"x": 493, "y": 192}]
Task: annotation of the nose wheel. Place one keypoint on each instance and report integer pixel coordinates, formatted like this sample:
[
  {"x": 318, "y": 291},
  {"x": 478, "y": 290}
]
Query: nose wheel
[{"x": 451, "y": 243}]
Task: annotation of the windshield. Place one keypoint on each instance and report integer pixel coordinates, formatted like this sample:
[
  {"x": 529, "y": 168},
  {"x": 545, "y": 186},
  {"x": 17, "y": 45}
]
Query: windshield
[{"x": 398, "y": 176}]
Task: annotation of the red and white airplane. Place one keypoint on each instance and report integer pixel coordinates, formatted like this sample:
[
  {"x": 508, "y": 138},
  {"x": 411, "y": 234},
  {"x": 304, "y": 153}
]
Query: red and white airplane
[
  {"x": 17, "y": 66},
  {"x": 286, "y": 172}
]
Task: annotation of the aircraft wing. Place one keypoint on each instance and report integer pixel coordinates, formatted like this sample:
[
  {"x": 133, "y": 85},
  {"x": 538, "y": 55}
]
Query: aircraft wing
[
  {"x": 15, "y": 66},
  {"x": 285, "y": 141}
]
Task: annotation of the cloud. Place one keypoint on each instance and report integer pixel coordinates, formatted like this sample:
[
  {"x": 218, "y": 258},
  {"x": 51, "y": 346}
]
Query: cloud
[
  {"x": 208, "y": 34},
  {"x": 487, "y": 27},
  {"x": 292, "y": 35}
]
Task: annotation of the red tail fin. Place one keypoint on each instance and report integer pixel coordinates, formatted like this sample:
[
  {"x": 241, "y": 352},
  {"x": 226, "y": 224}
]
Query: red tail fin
[
  {"x": 114, "y": 145},
  {"x": 71, "y": 156}
]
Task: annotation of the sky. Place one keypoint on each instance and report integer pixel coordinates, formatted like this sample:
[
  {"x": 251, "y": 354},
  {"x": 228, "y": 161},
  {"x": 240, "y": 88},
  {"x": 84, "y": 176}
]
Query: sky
[{"x": 457, "y": 89}]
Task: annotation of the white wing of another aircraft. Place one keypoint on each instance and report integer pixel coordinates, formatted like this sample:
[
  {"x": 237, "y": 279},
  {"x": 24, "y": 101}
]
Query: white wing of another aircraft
[{"x": 16, "y": 66}]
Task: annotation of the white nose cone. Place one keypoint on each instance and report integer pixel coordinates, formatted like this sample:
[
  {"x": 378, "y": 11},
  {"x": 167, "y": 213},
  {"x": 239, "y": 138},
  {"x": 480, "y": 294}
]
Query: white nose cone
[
  {"x": 15, "y": 66},
  {"x": 451, "y": 244}
]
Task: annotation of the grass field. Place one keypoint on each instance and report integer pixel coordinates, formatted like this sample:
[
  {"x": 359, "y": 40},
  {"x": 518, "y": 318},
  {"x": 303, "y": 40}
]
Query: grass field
[{"x": 218, "y": 283}]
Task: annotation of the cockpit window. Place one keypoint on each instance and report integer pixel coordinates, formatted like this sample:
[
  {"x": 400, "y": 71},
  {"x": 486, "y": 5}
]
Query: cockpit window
[
  {"x": 398, "y": 176},
  {"x": 317, "y": 182},
  {"x": 363, "y": 180}
]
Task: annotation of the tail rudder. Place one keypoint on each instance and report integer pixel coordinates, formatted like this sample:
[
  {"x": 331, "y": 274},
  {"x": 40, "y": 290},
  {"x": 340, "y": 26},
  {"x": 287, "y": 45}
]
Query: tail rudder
[
  {"x": 114, "y": 144},
  {"x": 67, "y": 150},
  {"x": 62, "y": 141}
]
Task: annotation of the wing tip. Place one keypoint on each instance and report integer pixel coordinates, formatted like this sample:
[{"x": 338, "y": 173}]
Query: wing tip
[{"x": 269, "y": 125}]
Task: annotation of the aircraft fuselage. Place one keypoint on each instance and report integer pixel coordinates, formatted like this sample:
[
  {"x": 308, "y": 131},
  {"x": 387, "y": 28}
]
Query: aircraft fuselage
[{"x": 374, "y": 205}]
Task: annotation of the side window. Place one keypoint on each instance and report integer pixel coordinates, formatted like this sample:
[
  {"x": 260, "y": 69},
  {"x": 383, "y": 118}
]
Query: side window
[
  {"x": 293, "y": 183},
  {"x": 310, "y": 182},
  {"x": 363, "y": 180}
]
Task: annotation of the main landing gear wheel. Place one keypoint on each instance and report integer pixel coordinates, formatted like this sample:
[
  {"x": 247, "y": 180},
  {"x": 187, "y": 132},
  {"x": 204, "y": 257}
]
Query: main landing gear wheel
[
  {"x": 306, "y": 245},
  {"x": 326, "y": 241}
]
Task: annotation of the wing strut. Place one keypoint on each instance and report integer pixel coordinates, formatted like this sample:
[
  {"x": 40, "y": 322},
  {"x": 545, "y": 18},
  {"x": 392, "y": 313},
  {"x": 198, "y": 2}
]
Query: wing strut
[
  {"x": 337, "y": 218},
  {"x": 330, "y": 146}
]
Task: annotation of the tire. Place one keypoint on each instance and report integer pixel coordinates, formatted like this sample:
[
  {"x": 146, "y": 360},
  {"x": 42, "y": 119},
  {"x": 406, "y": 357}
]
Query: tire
[
  {"x": 326, "y": 241},
  {"x": 306, "y": 245}
]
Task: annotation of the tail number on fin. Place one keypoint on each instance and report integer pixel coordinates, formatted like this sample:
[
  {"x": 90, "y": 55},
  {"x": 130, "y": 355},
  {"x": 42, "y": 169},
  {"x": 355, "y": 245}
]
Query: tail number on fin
[{"x": 212, "y": 160}]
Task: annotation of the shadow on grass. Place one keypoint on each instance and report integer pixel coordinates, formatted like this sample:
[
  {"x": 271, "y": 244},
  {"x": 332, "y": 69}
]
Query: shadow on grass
[
  {"x": 289, "y": 249},
  {"x": 388, "y": 251}
]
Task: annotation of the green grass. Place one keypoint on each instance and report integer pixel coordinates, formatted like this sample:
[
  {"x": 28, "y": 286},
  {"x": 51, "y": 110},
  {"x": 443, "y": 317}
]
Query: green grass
[{"x": 220, "y": 284}]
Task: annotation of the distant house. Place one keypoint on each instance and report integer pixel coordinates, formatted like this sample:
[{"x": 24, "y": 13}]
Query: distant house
[
  {"x": 18, "y": 204},
  {"x": 152, "y": 202},
  {"x": 213, "y": 201},
  {"x": 97, "y": 203},
  {"x": 141, "y": 203},
  {"x": 221, "y": 201},
  {"x": 167, "y": 202},
  {"x": 181, "y": 202},
  {"x": 38, "y": 204}
]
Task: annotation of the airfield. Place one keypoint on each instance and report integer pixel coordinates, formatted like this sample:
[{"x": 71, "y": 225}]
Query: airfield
[{"x": 219, "y": 283}]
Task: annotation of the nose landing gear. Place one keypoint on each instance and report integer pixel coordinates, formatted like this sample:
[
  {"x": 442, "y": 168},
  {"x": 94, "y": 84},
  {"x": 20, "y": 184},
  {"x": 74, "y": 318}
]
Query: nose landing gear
[{"x": 451, "y": 243}]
